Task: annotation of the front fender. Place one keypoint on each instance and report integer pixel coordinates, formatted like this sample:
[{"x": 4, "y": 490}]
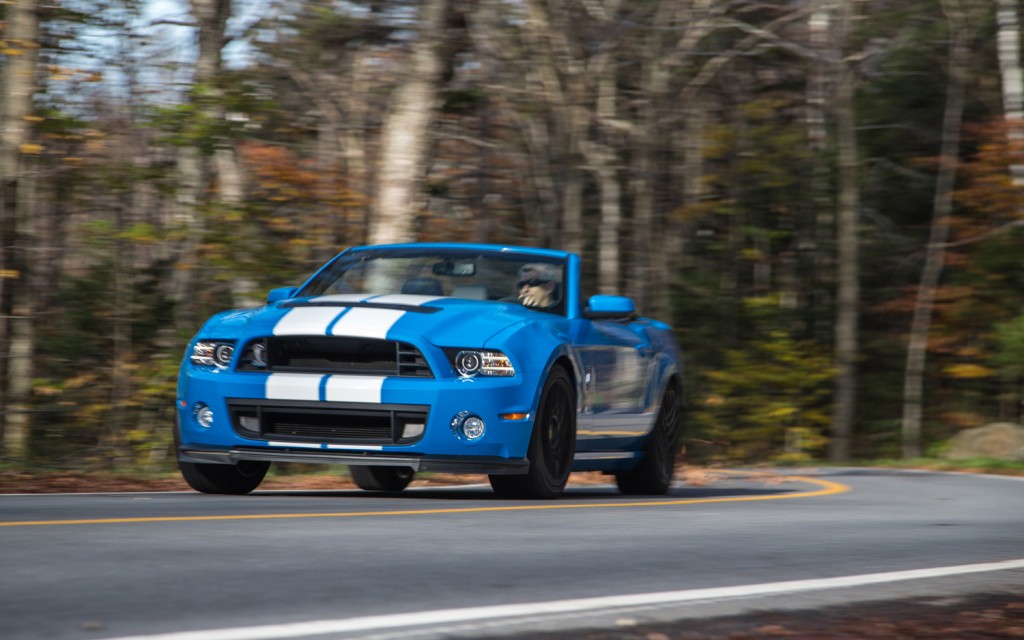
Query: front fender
[{"x": 537, "y": 348}]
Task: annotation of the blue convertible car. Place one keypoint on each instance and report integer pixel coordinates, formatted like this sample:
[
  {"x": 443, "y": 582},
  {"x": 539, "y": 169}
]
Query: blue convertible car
[{"x": 434, "y": 357}]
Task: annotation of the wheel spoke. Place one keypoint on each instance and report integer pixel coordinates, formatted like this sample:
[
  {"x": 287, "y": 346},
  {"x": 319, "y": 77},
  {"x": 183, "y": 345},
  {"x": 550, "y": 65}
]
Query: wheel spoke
[
  {"x": 552, "y": 444},
  {"x": 555, "y": 432}
]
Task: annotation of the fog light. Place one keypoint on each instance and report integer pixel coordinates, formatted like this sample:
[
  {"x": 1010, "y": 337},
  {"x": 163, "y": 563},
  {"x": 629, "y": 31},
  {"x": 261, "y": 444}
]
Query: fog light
[
  {"x": 249, "y": 423},
  {"x": 412, "y": 430},
  {"x": 473, "y": 427},
  {"x": 468, "y": 426},
  {"x": 203, "y": 415}
]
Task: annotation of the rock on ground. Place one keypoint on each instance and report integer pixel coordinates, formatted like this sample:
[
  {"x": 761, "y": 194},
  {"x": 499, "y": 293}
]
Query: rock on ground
[{"x": 999, "y": 440}]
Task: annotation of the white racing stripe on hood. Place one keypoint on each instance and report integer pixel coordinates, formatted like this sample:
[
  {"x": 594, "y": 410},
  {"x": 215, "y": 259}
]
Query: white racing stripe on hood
[
  {"x": 354, "y": 389},
  {"x": 314, "y": 321},
  {"x": 368, "y": 322},
  {"x": 293, "y": 386},
  {"x": 359, "y": 322},
  {"x": 306, "y": 321},
  {"x": 363, "y": 322}
]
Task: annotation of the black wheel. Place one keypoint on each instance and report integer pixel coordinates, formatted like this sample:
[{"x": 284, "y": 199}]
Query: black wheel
[
  {"x": 552, "y": 444},
  {"x": 653, "y": 476},
  {"x": 381, "y": 478},
  {"x": 234, "y": 479}
]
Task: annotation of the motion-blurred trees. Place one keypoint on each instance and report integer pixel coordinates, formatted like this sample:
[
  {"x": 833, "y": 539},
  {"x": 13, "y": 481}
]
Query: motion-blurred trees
[
  {"x": 762, "y": 175},
  {"x": 964, "y": 22},
  {"x": 19, "y": 55}
]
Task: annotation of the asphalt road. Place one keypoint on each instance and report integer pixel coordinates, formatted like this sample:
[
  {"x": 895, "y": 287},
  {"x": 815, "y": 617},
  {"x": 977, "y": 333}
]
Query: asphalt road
[{"x": 460, "y": 563}]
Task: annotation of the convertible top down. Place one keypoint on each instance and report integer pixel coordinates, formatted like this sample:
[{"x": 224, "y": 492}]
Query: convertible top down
[{"x": 434, "y": 357}]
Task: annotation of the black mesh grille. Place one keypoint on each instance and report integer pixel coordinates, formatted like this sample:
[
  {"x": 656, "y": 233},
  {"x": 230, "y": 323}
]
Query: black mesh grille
[
  {"x": 376, "y": 429},
  {"x": 334, "y": 355},
  {"x": 328, "y": 421}
]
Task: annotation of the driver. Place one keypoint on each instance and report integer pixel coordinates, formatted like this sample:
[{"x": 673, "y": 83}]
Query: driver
[{"x": 536, "y": 285}]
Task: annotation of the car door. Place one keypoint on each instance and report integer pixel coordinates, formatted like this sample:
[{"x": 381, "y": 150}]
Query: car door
[{"x": 616, "y": 370}]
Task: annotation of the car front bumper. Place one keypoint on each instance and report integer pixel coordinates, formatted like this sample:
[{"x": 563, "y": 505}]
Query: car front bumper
[
  {"x": 439, "y": 464},
  {"x": 306, "y": 423}
]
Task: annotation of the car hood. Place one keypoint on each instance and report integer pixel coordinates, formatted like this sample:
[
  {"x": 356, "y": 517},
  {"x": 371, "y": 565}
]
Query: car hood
[{"x": 441, "y": 321}]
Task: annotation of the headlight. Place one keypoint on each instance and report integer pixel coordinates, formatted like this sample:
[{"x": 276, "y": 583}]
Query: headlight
[
  {"x": 212, "y": 353},
  {"x": 472, "y": 362}
]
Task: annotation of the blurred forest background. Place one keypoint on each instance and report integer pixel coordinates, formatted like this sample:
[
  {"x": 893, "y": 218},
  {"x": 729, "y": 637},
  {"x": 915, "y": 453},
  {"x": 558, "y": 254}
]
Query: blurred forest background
[{"x": 824, "y": 197}]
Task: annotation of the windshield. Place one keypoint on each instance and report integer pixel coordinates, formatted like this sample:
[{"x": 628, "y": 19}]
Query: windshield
[{"x": 533, "y": 281}]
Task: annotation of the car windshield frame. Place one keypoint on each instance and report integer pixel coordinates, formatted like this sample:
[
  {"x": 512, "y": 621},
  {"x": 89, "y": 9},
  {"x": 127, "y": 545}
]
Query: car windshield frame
[{"x": 439, "y": 272}]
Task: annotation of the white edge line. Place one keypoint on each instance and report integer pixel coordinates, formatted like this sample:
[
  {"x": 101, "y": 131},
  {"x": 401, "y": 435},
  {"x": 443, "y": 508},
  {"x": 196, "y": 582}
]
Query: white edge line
[{"x": 581, "y": 605}]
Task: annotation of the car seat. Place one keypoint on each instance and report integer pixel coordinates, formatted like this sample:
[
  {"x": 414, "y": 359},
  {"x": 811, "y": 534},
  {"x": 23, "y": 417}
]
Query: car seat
[
  {"x": 423, "y": 287},
  {"x": 470, "y": 291}
]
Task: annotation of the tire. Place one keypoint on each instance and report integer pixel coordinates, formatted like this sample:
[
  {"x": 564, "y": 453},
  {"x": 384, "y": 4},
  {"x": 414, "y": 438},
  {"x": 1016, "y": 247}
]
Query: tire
[
  {"x": 653, "y": 475},
  {"x": 552, "y": 444},
  {"x": 381, "y": 478},
  {"x": 232, "y": 479}
]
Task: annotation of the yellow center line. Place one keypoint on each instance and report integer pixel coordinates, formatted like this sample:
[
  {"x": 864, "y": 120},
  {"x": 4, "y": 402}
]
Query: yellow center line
[{"x": 827, "y": 488}]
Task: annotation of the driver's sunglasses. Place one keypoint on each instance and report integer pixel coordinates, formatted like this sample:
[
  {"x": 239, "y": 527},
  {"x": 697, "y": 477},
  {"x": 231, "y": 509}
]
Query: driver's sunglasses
[{"x": 532, "y": 282}]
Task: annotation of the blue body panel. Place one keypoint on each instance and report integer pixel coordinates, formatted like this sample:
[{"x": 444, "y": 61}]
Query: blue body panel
[{"x": 620, "y": 369}]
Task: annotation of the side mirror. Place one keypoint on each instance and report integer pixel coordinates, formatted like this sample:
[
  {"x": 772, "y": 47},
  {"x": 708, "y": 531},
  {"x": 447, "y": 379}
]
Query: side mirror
[
  {"x": 610, "y": 308},
  {"x": 283, "y": 293}
]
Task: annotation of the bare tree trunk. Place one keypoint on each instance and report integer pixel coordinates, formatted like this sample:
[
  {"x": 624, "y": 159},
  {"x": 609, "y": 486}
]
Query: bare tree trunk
[
  {"x": 821, "y": 234},
  {"x": 406, "y": 135},
  {"x": 17, "y": 86},
  {"x": 1008, "y": 19},
  {"x": 603, "y": 161},
  {"x": 913, "y": 386},
  {"x": 848, "y": 274},
  {"x": 608, "y": 233},
  {"x": 846, "y": 345},
  {"x": 649, "y": 273},
  {"x": 572, "y": 212},
  {"x": 188, "y": 214},
  {"x": 695, "y": 115}
]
